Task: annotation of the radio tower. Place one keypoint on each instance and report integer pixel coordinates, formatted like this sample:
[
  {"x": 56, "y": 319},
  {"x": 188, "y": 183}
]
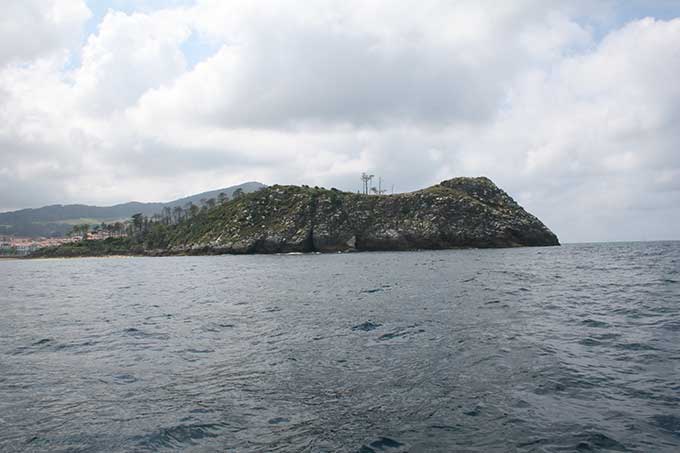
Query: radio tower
[{"x": 381, "y": 191}]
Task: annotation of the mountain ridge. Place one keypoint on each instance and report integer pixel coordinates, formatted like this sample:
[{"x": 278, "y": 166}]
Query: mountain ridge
[{"x": 57, "y": 219}]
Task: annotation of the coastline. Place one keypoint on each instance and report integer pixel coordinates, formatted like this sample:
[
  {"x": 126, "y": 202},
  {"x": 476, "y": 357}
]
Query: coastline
[{"x": 219, "y": 252}]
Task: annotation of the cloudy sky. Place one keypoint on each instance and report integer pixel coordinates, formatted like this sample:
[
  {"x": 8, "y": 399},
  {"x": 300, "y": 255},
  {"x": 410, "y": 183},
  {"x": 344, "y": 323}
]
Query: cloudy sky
[{"x": 571, "y": 107}]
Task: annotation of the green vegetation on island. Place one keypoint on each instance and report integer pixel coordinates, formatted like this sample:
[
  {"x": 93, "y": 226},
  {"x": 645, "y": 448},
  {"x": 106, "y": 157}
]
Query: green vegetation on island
[{"x": 457, "y": 213}]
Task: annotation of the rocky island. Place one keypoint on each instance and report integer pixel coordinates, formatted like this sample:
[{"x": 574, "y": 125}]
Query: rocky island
[{"x": 457, "y": 213}]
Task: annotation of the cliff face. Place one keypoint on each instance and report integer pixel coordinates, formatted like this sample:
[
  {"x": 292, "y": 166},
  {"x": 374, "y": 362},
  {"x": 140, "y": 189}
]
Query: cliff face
[{"x": 460, "y": 212}]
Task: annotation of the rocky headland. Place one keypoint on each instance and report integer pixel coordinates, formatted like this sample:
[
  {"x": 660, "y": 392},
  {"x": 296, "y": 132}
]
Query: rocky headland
[{"x": 457, "y": 213}]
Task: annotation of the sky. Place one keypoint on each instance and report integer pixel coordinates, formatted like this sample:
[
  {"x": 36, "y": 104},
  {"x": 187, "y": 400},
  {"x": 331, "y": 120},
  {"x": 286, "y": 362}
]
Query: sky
[{"x": 571, "y": 107}]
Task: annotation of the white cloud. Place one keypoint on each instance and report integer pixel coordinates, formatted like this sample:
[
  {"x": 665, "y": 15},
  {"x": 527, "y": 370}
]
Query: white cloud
[
  {"x": 129, "y": 55},
  {"x": 35, "y": 28},
  {"x": 350, "y": 63}
]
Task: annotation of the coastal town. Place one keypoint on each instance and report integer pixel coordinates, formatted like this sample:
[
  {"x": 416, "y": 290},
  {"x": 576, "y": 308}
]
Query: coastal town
[{"x": 22, "y": 246}]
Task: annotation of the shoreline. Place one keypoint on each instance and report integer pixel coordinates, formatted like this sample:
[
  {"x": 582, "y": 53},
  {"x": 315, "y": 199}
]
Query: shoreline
[{"x": 295, "y": 253}]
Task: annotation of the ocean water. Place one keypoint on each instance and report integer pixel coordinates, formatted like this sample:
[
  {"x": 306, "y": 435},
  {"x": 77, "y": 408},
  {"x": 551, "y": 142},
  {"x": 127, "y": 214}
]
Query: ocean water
[{"x": 572, "y": 348}]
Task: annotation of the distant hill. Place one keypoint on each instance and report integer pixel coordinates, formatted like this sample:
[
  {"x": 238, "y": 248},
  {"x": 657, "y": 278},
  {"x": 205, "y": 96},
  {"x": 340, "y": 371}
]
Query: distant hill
[{"x": 57, "y": 220}]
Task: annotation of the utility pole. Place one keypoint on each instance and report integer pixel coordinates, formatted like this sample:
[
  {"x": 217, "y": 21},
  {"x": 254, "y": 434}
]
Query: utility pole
[{"x": 379, "y": 190}]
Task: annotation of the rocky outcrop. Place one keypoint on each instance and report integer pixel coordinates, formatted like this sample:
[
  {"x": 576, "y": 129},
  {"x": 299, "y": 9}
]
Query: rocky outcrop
[{"x": 460, "y": 212}]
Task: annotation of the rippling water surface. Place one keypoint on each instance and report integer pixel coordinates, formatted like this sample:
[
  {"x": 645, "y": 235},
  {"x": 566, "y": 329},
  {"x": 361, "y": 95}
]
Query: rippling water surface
[{"x": 535, "y": 349}]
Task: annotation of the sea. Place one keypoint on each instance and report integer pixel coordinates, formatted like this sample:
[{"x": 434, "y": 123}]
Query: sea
[{"x": 555, "y": 349}]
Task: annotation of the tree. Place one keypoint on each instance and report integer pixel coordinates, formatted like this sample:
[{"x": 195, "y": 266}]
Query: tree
[
  {"x": 137, "y": 222},
  {"x": 157, "y": 236},
  {"x": 210, "y": 203},
  {"x": 119, "y": 229},
  {"x": 193, "y": 209},
  {"x": 80, "y": 230},
  {"x": 222, "y": 198},
  {"x": 366, "y": 180},
  {"x": 238, "y": 193},
  {"x": 167, "y": 215},
  {"x": 177, "y": 211}
]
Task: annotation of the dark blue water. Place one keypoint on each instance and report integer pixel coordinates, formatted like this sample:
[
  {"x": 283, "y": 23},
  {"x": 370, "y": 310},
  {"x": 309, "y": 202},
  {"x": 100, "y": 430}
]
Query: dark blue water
[{"x": 574, "y": 348}]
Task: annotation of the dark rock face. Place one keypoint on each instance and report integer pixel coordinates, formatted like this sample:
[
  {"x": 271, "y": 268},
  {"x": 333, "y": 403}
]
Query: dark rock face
[{"x": 460, "y": 212}]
